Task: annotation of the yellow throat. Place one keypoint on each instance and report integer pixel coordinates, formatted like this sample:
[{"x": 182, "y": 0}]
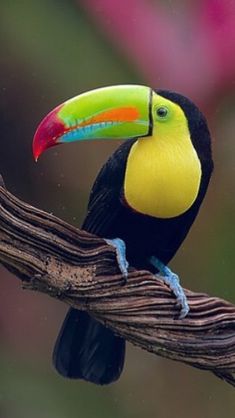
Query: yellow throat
[{"x": 163, "y": 172}]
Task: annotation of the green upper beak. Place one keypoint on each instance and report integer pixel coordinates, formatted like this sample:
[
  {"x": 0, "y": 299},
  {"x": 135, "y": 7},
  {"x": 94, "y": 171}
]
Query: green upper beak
[{"x": 111, "y": 112}]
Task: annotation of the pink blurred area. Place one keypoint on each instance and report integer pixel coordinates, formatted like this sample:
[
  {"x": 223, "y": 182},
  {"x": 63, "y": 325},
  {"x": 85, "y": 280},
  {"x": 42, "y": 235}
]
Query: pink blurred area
[{"x": 186, "y": 48}]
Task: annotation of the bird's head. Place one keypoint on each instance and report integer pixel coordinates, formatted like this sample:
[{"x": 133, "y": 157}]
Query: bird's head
[
  {"x": 123, "y": 111},
  {"x": 163, "y": 173}
]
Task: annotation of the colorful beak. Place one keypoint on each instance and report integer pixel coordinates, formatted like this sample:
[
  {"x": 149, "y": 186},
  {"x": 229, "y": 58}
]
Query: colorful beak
[{"x": 110, "y": 112}]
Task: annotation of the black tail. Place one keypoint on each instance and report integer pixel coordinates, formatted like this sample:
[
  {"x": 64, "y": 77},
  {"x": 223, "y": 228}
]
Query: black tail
[{"x": 86, "y": 349}]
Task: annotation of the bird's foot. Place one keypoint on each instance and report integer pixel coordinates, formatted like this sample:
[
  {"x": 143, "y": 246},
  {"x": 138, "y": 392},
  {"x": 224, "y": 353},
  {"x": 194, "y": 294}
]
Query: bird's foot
[
  {"x": 120, "y": 247},
  {"x": 172, "y": 280}
]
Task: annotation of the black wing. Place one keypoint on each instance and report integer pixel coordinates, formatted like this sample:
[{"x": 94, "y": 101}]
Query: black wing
[
  {"x": 105, "y": 199},
  {"x": 85, "y": 349}
]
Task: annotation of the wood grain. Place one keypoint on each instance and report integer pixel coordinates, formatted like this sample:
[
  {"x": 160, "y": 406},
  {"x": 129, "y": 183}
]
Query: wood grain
[{"x": 53, "y": 257}]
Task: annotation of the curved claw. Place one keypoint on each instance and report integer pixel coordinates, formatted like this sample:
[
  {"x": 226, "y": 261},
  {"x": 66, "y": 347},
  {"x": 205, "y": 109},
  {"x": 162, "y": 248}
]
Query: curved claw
[
  {"x": 172, "y": 280},
  {"x": 120, "y": 247}
]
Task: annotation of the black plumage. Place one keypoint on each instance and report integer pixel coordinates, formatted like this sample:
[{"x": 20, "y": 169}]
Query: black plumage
[{"x": 86, "y": 349}]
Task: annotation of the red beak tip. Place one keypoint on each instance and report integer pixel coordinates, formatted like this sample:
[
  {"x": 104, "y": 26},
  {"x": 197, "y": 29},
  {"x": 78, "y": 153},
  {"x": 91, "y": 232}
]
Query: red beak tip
[{"x": 35, "y": 155}]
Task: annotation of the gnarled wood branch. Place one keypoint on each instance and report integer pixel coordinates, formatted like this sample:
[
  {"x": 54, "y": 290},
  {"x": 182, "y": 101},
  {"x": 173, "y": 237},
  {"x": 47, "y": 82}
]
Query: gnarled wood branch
[{"x": 50, "y": 256}]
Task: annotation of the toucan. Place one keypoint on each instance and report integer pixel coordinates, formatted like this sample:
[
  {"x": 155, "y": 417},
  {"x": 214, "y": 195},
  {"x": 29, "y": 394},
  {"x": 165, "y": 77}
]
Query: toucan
[{"x": 143, "y": 201}]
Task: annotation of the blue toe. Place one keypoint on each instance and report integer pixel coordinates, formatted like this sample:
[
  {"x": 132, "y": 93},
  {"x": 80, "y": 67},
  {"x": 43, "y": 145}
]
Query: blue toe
[
  {"x": 172, "y": 280},
  {"x": 120, "y": 247}
]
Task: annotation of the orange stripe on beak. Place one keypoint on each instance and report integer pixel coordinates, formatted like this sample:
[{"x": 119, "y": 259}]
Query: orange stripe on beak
[{"x": 123, "y": 114}]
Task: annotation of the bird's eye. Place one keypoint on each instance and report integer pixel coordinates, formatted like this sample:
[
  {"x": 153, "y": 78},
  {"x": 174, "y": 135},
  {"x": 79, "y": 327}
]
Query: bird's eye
[{"x": 162, "y": 112}]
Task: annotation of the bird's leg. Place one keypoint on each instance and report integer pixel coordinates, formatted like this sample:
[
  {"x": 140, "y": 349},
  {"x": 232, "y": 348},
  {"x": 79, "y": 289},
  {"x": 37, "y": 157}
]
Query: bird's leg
[
  {"x": 172, "y": 280},
  {"x": 120, "y": 247}
]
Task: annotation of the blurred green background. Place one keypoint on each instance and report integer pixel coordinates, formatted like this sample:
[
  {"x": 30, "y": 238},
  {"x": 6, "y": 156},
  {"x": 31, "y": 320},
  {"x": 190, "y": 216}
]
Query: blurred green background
[{"x": 53, "y": 50}]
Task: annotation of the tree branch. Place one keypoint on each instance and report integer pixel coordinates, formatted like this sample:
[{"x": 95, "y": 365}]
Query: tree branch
[{"x": 55, "y": 258}]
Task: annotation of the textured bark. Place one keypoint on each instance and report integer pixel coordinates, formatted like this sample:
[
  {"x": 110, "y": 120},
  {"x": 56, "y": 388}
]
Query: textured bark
[{"x": 55, "y": 258}]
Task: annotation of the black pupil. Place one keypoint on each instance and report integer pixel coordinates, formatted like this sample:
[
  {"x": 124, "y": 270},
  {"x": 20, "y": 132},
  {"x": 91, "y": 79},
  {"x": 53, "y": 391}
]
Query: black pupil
[{"x": 162, "y": 112}]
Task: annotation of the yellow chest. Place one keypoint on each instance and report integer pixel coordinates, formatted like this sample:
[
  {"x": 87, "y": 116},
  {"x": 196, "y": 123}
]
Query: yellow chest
[{"x": 162, "y": 177}]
